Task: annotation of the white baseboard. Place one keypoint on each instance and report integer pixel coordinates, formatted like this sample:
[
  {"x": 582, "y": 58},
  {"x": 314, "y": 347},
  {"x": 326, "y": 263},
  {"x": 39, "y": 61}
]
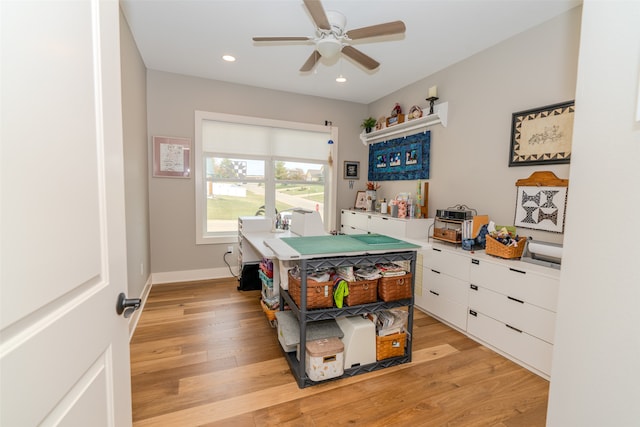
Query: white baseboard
[
  {"x": 190, "y": 275},
  {"x": 133, "y": 320}
]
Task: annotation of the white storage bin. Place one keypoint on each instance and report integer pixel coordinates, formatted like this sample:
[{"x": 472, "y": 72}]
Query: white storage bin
[{"x": 324, "y": 359}]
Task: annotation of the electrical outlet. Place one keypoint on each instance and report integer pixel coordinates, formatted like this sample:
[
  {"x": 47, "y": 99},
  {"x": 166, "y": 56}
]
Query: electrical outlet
[
  {"x": 141, "y": 268},
  {"x": 230, "y": 249}
]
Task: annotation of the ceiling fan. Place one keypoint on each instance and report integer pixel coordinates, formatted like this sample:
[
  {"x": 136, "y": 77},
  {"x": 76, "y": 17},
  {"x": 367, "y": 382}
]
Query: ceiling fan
[{"x": 331, "y": 37}]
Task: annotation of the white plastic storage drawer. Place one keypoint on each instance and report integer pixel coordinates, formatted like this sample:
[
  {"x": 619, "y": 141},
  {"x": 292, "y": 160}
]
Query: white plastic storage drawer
[
  {"x": 524, "y": 285},
  {"x": 534, "y": 320},
  {"x": 447, "y": 263},
  {"x": 520, "y": 345}
]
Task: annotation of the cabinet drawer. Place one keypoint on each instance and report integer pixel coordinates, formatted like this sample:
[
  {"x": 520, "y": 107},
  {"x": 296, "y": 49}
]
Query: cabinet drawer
[
  {"x": 349, "y": 229},
  {"x": 444, "y": 285},
  {"x": 447, "y": 310},
  {"x": 387, "y": 226},
  {"x": 447, "y": 263},
  {"x": 520, "y": 345},
  {"x": 533, "y": 320},
  {"x": 354, "y": 219},
  {"x": 524, "y": 285}
]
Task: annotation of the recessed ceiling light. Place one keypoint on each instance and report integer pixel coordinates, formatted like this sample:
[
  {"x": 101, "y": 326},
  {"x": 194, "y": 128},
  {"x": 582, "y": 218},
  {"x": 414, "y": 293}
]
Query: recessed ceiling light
[
  {"x": 341, "y": 79},
  {"x": 229, "y": 58}
]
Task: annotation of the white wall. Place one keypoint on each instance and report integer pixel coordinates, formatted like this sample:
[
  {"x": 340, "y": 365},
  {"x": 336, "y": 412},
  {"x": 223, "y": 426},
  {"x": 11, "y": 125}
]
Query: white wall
[
  {"x": 596, "y": 362},
  {"x": 134, "y": 129},
  {"x": 469, "y": 158},
  {"x": 171, "y": 102}
]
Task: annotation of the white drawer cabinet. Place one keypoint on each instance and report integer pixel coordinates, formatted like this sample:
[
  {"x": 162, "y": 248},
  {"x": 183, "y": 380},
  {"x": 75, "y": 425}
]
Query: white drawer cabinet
[
  {"x": 445, "y": 297},
  {"x": 512, "y": 308},
  {"x": 353, "y": 222},
  {"x": 360, "y": 222},
  {"x": 511, "y": 342},
  {"x": 517, "y": 282},
  {"x": 520, "y": 314},
  {"x": 507, "y": 305},
  {"x": 445, "y": 282}
]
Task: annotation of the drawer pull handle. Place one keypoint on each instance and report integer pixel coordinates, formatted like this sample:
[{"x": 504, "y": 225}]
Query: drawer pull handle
[
  {"x": 385, "y": 219},
  {"x": 473, "y": 313},
  {"x": 475, "y": 261},
  {"x": 473, "y": 287},
  {"x": 517, "y": 271},
  {"x": 437, "y": 250},
  {"x": 435, "y": 293},
  {"x": 515, "y": 329},
  {"x": 435, "y": 271},
  {"x": 515, "y": 299}
]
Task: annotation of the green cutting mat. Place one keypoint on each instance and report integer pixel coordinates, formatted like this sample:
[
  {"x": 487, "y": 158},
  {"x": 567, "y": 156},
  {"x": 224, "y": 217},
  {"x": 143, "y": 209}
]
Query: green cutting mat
[{"x": 311, "y": 245}]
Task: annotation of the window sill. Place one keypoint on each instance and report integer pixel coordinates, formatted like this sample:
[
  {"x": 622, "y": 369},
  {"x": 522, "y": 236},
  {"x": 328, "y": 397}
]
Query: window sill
[{"x": 217, "y": 240}]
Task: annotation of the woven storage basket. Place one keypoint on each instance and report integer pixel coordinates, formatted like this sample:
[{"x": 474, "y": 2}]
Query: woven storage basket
[
  {"x": 394, "y": 288},
  {"x": 496, "y": 248},
  {"x": 390, "y": 345},
  {"x": 319, "y": 294},
  {"x": 271, "y": 314},
  {"x": 362, "y": 292}
]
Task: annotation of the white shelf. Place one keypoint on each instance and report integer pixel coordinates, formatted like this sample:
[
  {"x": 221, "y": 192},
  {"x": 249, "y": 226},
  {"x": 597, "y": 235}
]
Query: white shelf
[{"x": 439, "y": 116}]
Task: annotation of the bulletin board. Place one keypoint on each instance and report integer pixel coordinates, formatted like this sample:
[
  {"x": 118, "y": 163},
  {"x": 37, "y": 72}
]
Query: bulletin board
[{"x": 405, "y": 158}]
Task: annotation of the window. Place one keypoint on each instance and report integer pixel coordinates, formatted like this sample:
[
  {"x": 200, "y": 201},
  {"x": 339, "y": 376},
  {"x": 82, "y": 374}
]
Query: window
[{"x": 247, "y": 166}]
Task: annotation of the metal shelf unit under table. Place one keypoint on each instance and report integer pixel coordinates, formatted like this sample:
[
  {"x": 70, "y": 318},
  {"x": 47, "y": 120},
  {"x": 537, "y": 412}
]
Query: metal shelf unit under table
[{"x": 305, "y": 316}]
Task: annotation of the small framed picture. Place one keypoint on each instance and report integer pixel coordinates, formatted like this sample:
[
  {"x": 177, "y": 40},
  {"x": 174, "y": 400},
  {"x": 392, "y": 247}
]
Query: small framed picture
[
  {"x": 351, "y": 170},
  {"x": 361, "y": 200},
  {"x": 171, "y": 157}
]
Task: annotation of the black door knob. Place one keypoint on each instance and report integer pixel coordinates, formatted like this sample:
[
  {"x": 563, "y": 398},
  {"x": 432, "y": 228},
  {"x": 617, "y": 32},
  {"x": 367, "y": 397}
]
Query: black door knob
[{"x": 127, "y": 305}]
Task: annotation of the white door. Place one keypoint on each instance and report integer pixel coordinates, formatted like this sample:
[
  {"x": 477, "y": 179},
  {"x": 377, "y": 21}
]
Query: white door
[{"x": 64, "y": 355}]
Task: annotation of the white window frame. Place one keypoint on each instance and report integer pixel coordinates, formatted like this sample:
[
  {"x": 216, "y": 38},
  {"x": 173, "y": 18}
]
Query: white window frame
[{"x": 202, "y": 237}]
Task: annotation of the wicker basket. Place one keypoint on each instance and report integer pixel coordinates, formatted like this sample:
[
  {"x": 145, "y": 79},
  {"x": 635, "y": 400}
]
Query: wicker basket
[
  {"x": 447, "y": 233},
  {"x": 394, "y": 288},
  {"x": 496, "y": 248},
  {"x": 390, "y": 345},
  {"x": 362, "y": 292},
  {"x": 319, "y": 294},
  {"x": 271, "y": 314}
]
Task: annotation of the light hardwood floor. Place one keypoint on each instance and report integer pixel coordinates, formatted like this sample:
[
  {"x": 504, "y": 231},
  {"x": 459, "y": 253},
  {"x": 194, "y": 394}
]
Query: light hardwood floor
[{"x": 204, "y": 354}]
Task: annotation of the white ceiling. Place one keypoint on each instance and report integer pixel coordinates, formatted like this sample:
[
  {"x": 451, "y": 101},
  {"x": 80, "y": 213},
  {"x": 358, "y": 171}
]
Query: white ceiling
[{"x": 190, "y": 36}]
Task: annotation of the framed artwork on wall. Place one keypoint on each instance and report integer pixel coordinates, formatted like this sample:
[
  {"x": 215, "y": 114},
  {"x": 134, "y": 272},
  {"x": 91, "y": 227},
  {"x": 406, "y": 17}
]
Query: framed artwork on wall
[
  {"x": 351, "y": 170},
  {"x": 542, "y": 135},
  {"x": 171, "y": 157}
]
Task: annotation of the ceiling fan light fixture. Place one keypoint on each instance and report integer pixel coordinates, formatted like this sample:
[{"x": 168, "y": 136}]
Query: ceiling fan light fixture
[{"x": 329, "y": 47}]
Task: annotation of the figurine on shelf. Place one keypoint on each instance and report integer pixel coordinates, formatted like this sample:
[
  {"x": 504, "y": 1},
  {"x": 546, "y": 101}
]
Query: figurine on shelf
[{"x": 397, "y": 110}]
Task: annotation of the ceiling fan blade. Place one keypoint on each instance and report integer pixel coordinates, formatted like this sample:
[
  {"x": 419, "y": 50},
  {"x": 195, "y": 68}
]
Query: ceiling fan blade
[
  {"x": 316, "y": 10},
  {"x": 387, "y": 29},
  {"x": 365, "y": 60},
  {"x": 281, "y": 39},
  {"x": 311, "y": 61}
]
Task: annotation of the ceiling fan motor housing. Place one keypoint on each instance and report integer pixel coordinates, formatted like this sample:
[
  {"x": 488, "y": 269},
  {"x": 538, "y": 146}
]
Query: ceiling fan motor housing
[
  {"x": 329, "y": 42},
  {"x": 337, "y": 21}
]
